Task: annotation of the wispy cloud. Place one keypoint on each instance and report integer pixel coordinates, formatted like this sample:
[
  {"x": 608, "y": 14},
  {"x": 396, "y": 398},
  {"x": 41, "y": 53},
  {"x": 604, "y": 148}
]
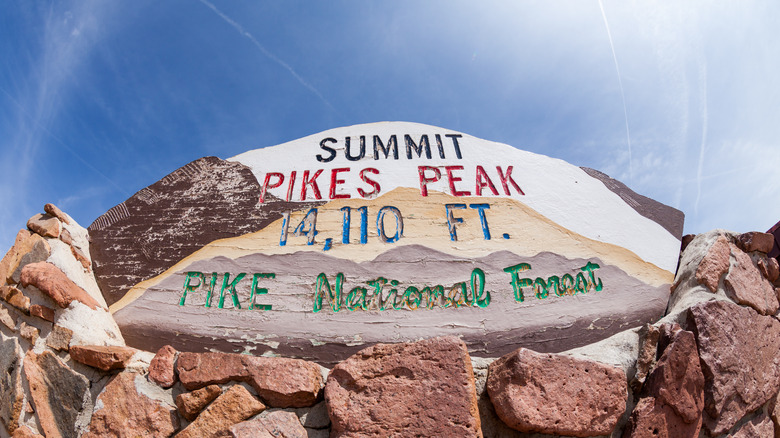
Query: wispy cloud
[
  {"x": 703, "y": 146},
  {"x": 622, "y": 94},
  {"x": 270, "y": 55}
]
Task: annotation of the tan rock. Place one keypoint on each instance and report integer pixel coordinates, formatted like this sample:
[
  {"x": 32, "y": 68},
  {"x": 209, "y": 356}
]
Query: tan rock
[
  {"x": 556, "y": 394},
  {"x": 50, "y": 280},
  {"x": 28, "y": 248},
  {"x": 278, "y": 381},
  {"x": 59, "y": 338},
  {"x": 66, "y": 237},
  {"x": 81, "y": 257},
  {"x": 124, "y": 411},
  {"x": 647, "y": 354},
  {"x": 190, "y": 404},
  {"x": 281, "y": 424},
  {"x": 11, "y": 391},
  {"x": 407, "y": 389},
  {"x": 58, "y": 393},
  {"x": 759, "y": 427},
  {"x": 740, "y": 355},
  {"x": 233, "y": 406},
  {"x": 755, "y": 241},
  {"x": 29, "y": 333},
  {"x": 101, "y": 356},
  {"x": 714, "y": 264},
  {"x": 162, "y": 369},
  {"x": 52, "y": 210},
  {"x": 45, "y": 225},
  {"x": 7, "y": 319},
  {"x": 15, "y": 297},
  {"x": 43, "y": 312},
  {"x": 745, "y": 285}
]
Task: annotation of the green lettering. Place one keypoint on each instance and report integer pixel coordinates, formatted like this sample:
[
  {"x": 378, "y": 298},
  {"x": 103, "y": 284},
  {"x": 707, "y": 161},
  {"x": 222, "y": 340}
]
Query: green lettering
[
  {"x": 254, "y": 291},
  {"x": 231, "y": 287},
  {"x": 519, "y": 283},
  {"x": 481, "y": 298},
  {"x": 334, "y": 295},
  {"x": 589, "y": 268},
  {"x": 190, "y": 287}
]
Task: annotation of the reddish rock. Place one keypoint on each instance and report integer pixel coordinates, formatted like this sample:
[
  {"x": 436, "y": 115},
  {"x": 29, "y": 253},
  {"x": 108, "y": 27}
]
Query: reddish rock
[
  {"x": 101, "y": 356},
  {"x": 125, "y": 411},
  {"x": 233, "y": 406},
  {"x": 740, "y": 357},
  {"x": 281, "y": 424},
  {"x": 52, "y": 210},
  {"x": 409, "y": 389},
  {"x": 45, "y": 225},
  {"x": 755, "y": 241},
  {"x": 7, "y": 319},
  {"x": 714, "y": 264},
  {"x": 556, "y": 394},
  {"x": 11, "y": 391},
  {"x": 190, "y": 404},
  {"x": 66, "y": 237},
  {"x": 675, "y": 392},
  {"x": 81, "y": 257},
  {"x": 161, "y": 369},
  {"x": 43, "y": 312},
  {"x": 745, "y": 285},
  {"x": 50, "y": 280},
  {"x": 59, "y": 338},
  {"x": 25, "y": 432},
  {"x": 279, "y": 382},
  {"x": 22, "y": 245},
  {"x": 759, "y": 427},
  {"x": 58, "y": 393},
  {"x": 29, "y": 333},
  {"x": 769, "y": 268},
  {"x": 15, "y": 297}
]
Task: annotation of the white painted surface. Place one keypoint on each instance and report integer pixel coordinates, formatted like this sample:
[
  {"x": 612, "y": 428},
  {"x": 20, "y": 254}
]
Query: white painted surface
[{"x": 562, "y": 192}]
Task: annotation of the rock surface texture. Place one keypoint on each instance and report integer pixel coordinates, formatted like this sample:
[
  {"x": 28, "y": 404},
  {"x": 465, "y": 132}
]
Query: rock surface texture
[
  {"x": 740, "y": 357},
  {"x": 103, "y": 357},
  {"x": 556, "y": 394},
  {"x": 233, "y": 406},
  {"x": 281, "y": 383},
  {"x": 424, "y": 388},
  {"x": 123, "y": 410},
  {"x": 162, "y": 368},
  {"x": 50, "y": 280}
]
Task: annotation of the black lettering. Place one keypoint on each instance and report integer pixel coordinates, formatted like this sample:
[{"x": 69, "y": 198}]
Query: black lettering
[
  {"x": 391, "y": 143},
  {"x": 327, "y": 148},
  {"x": 362, "y": 149},
  {"x": 419, "y": 149},
  {"x": 455, "y": 144}
]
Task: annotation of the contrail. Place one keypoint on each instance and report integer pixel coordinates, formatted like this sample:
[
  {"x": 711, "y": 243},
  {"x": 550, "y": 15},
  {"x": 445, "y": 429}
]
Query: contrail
[
  {"x": 703, "y": 147},
  {"x": 68, "y": 148},
  {"x": 622, "y": 94},
  {"x": 270, "y": 55}
]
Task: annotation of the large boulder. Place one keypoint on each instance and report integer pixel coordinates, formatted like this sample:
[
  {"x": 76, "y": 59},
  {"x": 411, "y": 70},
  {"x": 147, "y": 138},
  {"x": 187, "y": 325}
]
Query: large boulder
[{"x": 424, "y": 388}]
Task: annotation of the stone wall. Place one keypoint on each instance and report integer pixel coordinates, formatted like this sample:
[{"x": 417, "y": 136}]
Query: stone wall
[{"x": 709, "y": 367}]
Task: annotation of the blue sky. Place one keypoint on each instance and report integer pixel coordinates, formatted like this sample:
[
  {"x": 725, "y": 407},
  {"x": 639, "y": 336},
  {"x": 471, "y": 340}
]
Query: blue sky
[{"x": 679, "y": 100}]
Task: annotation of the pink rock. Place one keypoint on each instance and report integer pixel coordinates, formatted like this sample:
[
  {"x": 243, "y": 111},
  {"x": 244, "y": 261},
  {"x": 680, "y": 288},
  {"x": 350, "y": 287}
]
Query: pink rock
[
  {"x": 675, "y": 392},
  {"x": 281, "y": 424},
  {"x": 50, "y": 280},
  {"x": 124, "y": 411},
  {"x": 52, "y": 210},
  {"x": 714, "y": 264},
  {"x": 102, "y": 357},
  {"x": 190, "y": 404},
  {"x": 769, "y": 268},
  {"x": 278, "y": 381},
  {"x": 739, "y": 351},
  {"x": 745, "y": 285},
  {"x": 233, "y": 406},
  {"x": 556, "y": 394},
  {"x": 45, "y": 225},
  {"x": 161, "y": 369},
  {"x": 759, "y": 427},
  {"x": 423, "y": 388},
  {"x": 755, "y": 241}
]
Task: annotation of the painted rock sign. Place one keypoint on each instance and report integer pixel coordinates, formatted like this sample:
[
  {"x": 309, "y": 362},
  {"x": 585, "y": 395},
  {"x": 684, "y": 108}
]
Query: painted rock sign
[{"x": 383, "y": 232}]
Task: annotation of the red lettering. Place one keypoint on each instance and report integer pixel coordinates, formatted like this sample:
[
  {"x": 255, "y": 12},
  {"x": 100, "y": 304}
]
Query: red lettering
[
  {"x": 371, "y": 182},
  {"x": 290, "y": 187},
  {"x": 508, "y": 179},
  {"x": 453, "y": 179},
  {"x": 266, "y": 186},
  {"x": 483, "y": 180},
  {"x": 424, "y": 180},
  {"x": 310, "y": 182},
  {"x": 334, "y": 182}
]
